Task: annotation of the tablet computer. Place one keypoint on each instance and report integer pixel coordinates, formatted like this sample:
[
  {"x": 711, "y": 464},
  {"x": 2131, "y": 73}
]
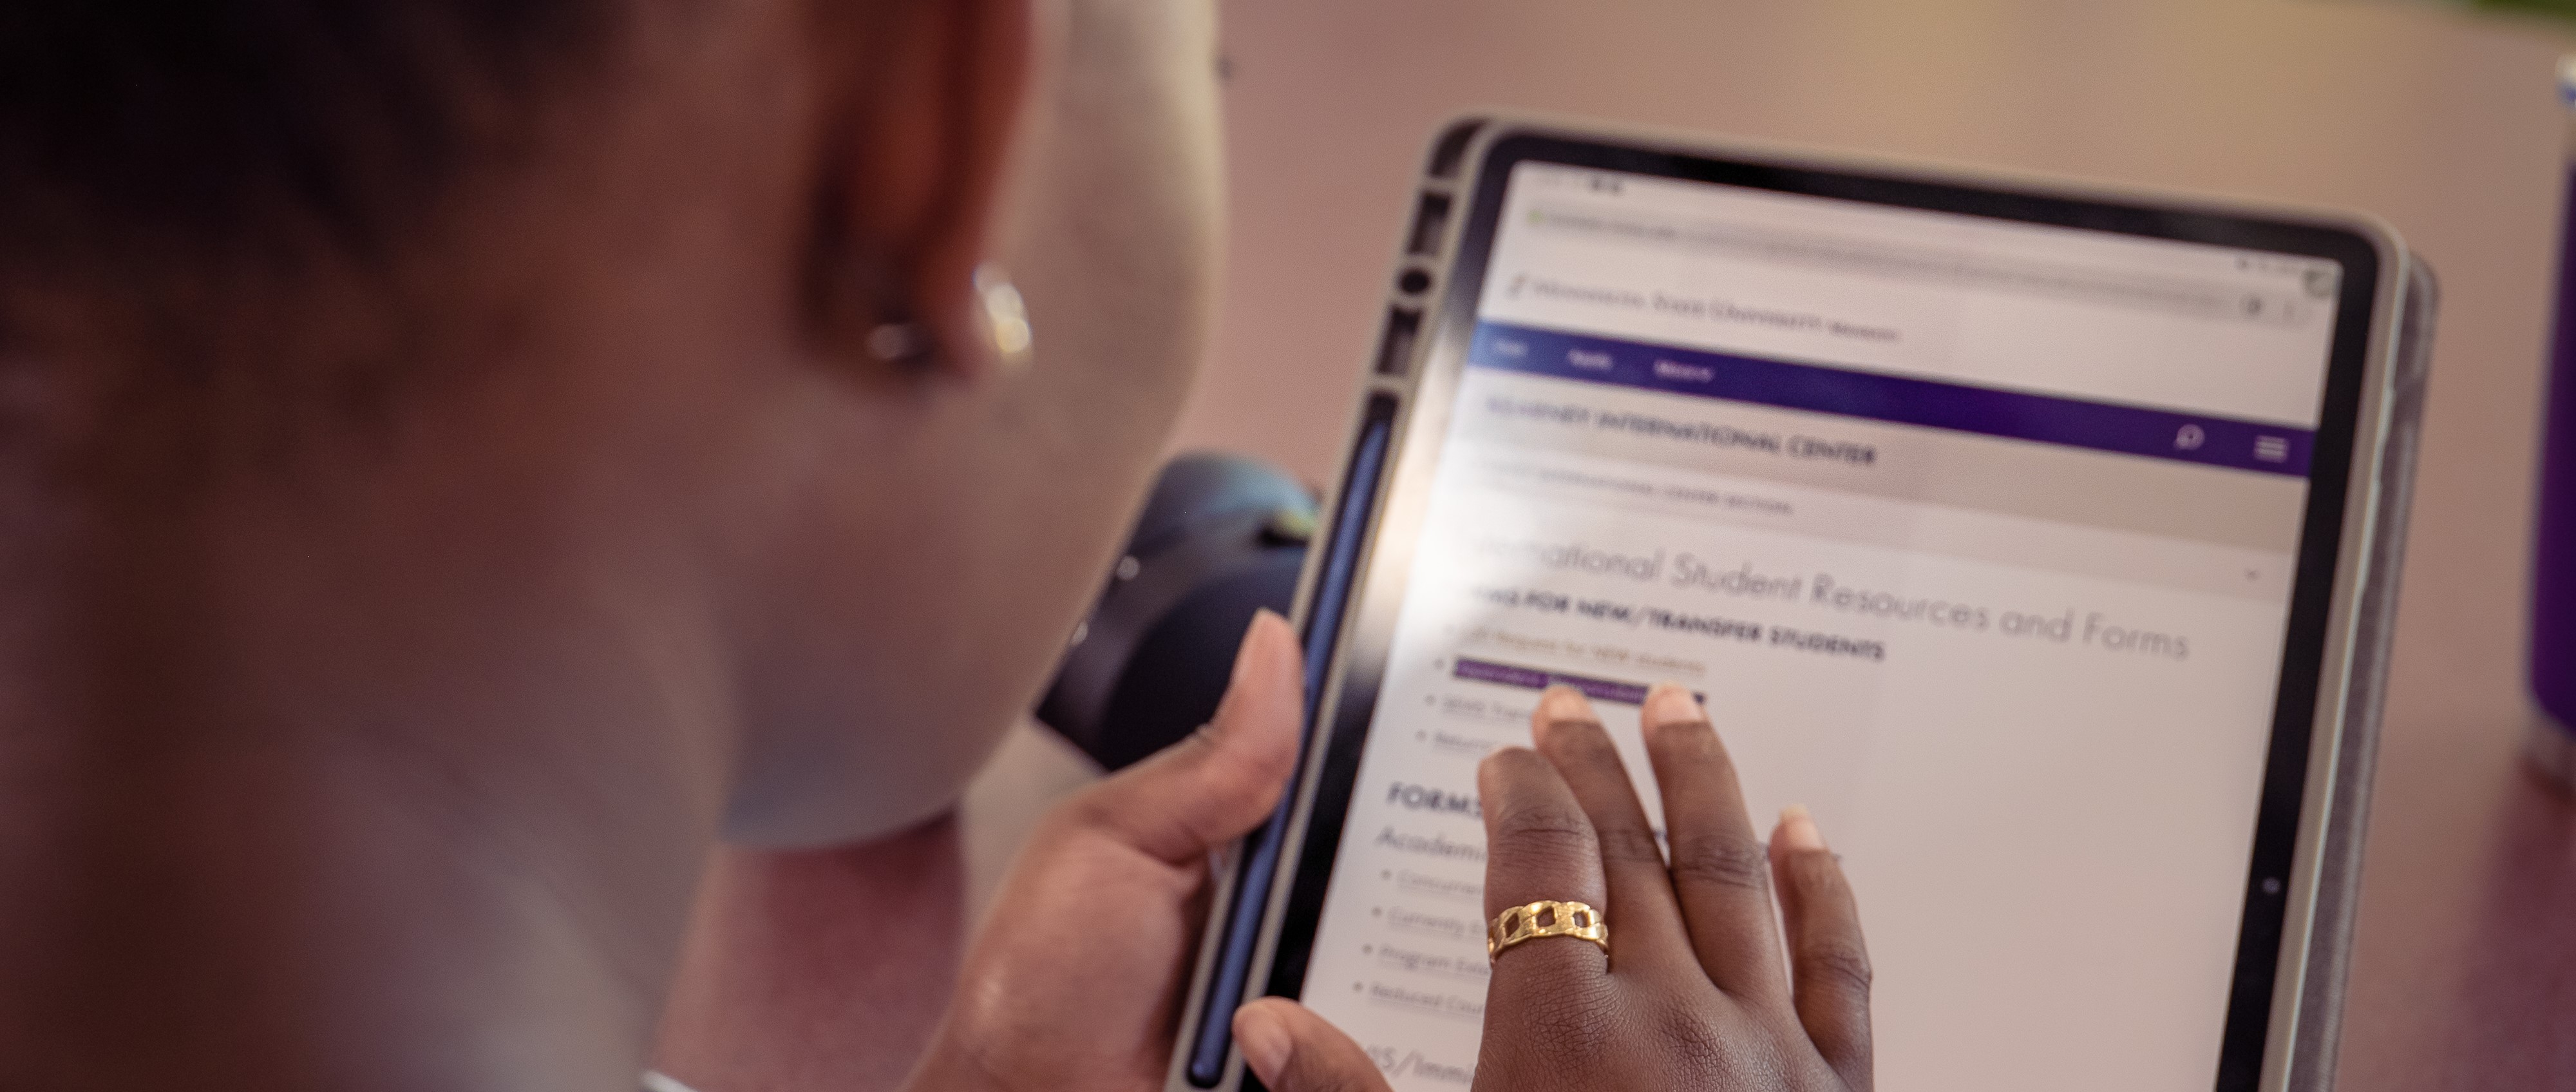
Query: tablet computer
[{"x": 2038, "y": 537}]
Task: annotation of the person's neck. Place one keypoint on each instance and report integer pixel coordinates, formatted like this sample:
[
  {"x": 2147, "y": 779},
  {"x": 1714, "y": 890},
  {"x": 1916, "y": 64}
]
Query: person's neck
[{"x": 393, "y": 783}]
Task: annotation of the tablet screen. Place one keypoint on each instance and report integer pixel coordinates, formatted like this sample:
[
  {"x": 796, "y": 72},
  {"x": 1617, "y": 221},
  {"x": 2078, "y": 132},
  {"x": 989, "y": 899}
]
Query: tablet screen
[{"x": 1979, "y": 537}]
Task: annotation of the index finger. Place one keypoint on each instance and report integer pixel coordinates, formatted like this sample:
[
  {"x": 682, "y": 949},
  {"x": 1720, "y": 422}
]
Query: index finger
[{"x": 1721, "y": 869}]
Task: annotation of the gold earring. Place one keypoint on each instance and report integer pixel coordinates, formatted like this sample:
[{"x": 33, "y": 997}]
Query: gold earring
[
  {"x": 898, "y": 342},
  {"x": 894, "y": 338},
  {"x": 1006, "y": 317}
]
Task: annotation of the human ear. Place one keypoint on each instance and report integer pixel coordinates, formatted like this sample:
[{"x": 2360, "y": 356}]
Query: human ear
[{"x": 927, "y": 97}]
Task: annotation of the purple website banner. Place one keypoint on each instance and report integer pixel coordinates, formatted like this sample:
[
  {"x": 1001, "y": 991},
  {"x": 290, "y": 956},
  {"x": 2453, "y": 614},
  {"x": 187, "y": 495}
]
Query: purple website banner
[{"x": 2012, "y": 415}]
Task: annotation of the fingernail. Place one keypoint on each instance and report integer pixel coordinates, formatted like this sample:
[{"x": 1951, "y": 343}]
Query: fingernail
[
  {"x": 1668, "y": 703},
  {"x": 1562, "y": 703},
  {"x": 1265, "y": 627},
  {"x": 1264, "y": 1043},
  {"x": 1798, "y": 828}
]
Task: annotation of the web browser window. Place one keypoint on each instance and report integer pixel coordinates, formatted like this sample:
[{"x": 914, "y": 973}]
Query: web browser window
[{"x": 1970, "y": 532}]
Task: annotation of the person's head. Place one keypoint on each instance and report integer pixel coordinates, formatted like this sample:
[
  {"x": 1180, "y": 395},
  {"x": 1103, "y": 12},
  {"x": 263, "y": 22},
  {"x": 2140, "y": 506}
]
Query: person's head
[{"x": 419, "y": 328}]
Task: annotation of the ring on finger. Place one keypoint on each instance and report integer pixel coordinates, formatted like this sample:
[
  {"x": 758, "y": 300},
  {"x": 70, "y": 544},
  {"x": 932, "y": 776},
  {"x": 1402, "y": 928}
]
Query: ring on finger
[{"x": 1545, "y": 918}]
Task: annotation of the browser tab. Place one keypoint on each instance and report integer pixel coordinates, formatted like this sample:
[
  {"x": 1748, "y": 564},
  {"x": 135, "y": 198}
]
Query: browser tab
[{"x": 2175, "y": 326}]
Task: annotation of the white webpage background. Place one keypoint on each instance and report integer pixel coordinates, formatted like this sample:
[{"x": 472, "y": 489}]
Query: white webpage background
[
  {"x": 2143, "y": 356},
  {"x": 2049, "y": 840}
]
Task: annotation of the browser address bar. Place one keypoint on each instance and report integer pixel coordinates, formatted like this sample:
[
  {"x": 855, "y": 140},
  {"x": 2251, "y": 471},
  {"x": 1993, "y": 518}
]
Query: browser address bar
[{"x": 1928, "y": 265}]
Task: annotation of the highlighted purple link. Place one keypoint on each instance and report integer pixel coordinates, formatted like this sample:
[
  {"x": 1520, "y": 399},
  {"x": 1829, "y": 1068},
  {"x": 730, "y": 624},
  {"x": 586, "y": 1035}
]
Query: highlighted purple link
[{"x": 1486, "y": 671}]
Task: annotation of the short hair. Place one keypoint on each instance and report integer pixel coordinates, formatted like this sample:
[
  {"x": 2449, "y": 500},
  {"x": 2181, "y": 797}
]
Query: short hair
[{"x": 130, "y": 128}]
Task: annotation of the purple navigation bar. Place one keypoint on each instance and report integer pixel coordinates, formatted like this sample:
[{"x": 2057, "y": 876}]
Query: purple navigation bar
[{"x": 2127, "y": 430}]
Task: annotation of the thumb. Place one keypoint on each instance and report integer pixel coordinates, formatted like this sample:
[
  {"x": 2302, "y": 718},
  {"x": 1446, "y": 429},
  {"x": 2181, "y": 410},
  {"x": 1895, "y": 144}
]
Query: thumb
[
  {"x": 1293, "y": 1050},
  {"x": 1210, "y": 788}
]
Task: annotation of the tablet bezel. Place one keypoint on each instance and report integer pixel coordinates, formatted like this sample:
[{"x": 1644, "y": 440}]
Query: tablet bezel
[{"x": 2332, "y": 553}]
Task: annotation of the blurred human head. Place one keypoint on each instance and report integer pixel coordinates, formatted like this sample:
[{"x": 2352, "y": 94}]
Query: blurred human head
[{"x": 436, "y": 317}]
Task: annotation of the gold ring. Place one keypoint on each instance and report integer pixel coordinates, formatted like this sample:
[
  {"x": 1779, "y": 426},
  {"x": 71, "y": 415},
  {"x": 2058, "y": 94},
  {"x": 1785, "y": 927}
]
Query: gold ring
[{"x": 1545, "y": 918}]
